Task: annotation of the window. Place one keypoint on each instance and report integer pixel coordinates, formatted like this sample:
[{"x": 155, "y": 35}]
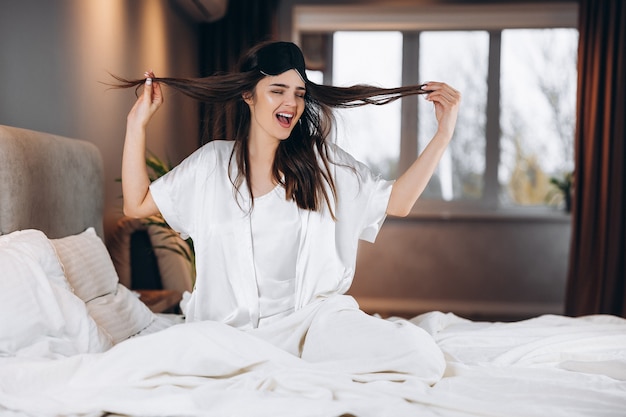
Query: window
[
  {"x": 370, "y": 133},
  {"x": 536, "y": 140},
  {"x": 460, "y": 59},
  {"x": 515, "y": 68}
]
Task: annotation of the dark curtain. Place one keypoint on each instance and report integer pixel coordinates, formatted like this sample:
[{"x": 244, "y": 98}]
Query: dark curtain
[
  {"x": 597, "y": 278},
  {"x": 245, "y": 23}
]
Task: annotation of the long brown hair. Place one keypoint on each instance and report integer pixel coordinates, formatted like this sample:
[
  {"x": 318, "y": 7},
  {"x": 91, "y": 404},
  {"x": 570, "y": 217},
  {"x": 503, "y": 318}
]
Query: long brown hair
[{"x": 296, "y": 165}]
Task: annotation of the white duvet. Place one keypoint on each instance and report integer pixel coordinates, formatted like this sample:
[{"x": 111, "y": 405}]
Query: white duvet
[{"x": 548, "y": 366}]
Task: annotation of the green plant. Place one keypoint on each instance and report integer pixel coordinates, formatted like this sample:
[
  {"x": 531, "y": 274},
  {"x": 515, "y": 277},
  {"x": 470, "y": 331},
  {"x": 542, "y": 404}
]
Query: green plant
[
  {"x": 185, "y": 250},
  {"x": 156, "y": 167},
  {"x": 562, "y": 189}
]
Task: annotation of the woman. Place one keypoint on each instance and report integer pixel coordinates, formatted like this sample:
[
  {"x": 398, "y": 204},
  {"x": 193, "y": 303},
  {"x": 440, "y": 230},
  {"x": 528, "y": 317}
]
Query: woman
[{"x": 276, "y": 213}]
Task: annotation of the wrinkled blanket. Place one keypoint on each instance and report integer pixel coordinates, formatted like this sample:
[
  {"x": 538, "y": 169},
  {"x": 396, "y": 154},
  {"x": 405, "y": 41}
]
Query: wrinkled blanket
[{"x": 548, "y": 366}]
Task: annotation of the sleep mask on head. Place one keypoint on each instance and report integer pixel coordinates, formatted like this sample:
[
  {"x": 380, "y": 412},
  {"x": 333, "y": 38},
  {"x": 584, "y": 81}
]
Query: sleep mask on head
[{"x": 278, "y": 57}]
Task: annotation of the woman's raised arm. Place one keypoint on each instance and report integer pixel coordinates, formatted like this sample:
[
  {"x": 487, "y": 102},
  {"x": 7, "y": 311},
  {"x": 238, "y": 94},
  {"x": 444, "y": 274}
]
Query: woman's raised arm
[
  {"x": 138, "y": 201},
  {"x": 410, "y": 185}
]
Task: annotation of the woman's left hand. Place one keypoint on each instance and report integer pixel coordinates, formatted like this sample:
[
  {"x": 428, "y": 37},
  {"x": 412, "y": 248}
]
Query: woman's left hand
[
  {"x": 446, "y": 101},
  {"x": 410, "y": 185}
]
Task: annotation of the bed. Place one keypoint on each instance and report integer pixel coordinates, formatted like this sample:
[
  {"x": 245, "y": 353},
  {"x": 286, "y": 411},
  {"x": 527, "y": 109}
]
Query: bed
[{"x": 74, "y": 341}]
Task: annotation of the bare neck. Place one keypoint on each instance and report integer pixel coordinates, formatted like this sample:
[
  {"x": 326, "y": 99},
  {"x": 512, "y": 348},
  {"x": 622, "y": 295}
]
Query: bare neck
[{"x": 261, "y": 155}]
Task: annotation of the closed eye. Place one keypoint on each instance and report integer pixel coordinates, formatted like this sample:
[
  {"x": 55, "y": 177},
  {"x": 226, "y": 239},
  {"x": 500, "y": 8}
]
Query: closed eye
[
  {"x": 300, "y": 91},
  {"x": 281, "y": 92}
]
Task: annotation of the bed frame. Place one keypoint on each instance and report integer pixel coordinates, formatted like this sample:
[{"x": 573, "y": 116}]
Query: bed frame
[{"x": 49, "y": 182}]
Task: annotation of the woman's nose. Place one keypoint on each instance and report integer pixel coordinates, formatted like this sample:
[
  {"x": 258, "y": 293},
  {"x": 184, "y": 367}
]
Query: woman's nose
[{"x": 290, "y": 99}]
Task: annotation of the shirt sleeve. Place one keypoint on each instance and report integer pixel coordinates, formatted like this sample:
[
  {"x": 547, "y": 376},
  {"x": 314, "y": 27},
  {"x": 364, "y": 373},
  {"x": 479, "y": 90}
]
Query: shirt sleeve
[
  {"x": 178, "y": 193},
  {"x": 376, "y": 211},
  {"x": 362, "y": 198}
]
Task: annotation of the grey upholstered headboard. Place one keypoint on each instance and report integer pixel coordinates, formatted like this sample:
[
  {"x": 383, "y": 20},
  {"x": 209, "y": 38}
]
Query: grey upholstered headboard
[{"x": 50, "y": 183}]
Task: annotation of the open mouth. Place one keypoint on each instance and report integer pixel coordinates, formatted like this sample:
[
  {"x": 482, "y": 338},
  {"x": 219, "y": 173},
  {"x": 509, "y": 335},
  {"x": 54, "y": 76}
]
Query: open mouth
[{"x": 284, "y": 119}]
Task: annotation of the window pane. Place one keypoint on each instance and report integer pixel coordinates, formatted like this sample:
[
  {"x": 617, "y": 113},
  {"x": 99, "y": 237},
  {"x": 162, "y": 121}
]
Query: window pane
[
  {"x": 316, "y": 76},
  {"x": 538, "y": 105},
  {"x": 370, "y": 133},
  {"x": 460, "y": 59}
]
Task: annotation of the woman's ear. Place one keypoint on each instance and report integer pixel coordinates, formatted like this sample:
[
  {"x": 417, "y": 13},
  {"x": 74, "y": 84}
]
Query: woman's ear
[{"x": 247, "y": 97}]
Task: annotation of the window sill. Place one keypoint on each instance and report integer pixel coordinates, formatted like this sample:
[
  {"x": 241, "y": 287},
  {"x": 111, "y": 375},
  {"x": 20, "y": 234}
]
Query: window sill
[{"x": 446, "y": 211}]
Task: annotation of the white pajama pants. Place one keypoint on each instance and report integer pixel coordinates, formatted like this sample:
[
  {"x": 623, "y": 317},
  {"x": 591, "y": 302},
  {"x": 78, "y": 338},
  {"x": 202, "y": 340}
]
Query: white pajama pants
[{"x": 335, "y": 334}]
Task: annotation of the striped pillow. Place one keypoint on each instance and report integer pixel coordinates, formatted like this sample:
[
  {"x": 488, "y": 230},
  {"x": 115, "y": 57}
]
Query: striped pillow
[{"x": 91, "y": 273}]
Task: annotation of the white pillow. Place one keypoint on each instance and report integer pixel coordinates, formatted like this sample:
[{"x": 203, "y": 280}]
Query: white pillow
[
  {"x": 87, "y": 264},
  {"x": 35, "y": 245},
  {"x": 90, "y": 271},
  {"x": 121, "y": 314},
  {"x": 40, "y": 315}
]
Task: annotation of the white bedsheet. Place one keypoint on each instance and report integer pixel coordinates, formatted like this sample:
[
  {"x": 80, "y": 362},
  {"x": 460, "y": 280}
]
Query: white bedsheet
[
  {"x": 546, "y": 366},
  {"x": 549, "y": 366}
]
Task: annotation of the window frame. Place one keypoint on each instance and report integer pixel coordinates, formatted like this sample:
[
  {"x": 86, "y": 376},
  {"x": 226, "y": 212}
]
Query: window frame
[{"x": 413, "y": 19}]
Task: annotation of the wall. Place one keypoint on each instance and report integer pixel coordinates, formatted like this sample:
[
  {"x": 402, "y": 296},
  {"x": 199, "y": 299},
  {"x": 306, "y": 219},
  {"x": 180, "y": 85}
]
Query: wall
[
  {"x": 499, "y": 267},
  {"x": 55, "y": 56}
]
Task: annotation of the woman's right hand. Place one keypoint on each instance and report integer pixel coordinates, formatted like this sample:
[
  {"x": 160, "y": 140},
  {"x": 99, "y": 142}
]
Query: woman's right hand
[
  {"x": 147, "y": 103},
  {"x": 138, "y": 200}
]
